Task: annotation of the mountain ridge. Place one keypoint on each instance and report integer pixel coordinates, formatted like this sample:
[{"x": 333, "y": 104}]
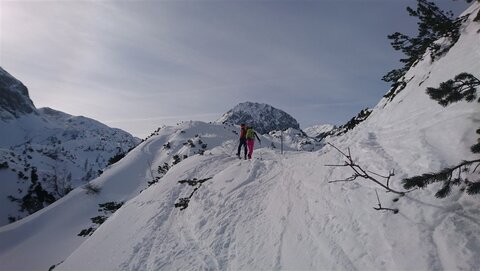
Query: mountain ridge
[{"x": 46, "y": 152}]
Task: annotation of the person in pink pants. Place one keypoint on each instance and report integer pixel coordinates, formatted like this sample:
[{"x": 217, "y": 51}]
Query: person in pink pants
[{"x": 250, "y": 135}]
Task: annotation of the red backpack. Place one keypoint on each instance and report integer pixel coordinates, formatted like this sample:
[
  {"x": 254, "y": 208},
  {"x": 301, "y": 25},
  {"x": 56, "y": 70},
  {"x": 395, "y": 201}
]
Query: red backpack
[{"x": 243, "y": 132}]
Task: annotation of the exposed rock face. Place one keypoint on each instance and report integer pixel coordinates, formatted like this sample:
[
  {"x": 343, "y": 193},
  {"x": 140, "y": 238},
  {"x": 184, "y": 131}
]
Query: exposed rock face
[
  {"x": 14, "y": 99},
  {"x": 262, "y": 117}
]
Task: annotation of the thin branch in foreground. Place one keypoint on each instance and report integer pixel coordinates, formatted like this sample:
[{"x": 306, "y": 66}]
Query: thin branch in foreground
[
  {"x": 382, "y": 208},
  {"x": 358, "y": 171},
  {"x": 349, "y": 179},
  {"x": 475, "y": 169}
]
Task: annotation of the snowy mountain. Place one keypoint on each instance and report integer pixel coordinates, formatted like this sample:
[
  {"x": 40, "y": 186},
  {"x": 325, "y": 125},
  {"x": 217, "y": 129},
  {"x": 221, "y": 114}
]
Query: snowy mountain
[
  {"x": 46, "y": 153},
  {"x": 181, "y": 200},
  {"x": 263, "y": 117}
]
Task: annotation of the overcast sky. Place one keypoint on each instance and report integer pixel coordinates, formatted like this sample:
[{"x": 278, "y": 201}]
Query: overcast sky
[{"x": 137, "y": 65}]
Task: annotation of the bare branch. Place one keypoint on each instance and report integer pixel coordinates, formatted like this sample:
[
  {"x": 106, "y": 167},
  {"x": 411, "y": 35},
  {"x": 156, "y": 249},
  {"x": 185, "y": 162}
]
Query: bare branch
[
  {"x": 360, "y": 172},
  {"x": 344, "y": 165},
  {"x": 338, "y": 149},
  {"x": 382, "y": 208},
  {"x": 387, "y": 209},
  {"x": 379, "y": 204},
  {"x": 390, "y": 174},
  {"x": 476, "y": 167},
  {"x": 349, "y": 179}
]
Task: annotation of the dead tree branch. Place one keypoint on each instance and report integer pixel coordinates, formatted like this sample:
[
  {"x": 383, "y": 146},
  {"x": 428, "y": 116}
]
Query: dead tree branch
[
  {"x": 359, "y": 172},
  {"x": 383, "y": 208}
]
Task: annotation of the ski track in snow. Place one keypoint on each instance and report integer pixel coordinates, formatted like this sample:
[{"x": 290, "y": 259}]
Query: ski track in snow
[
  {"x": 187, "y": 238},
  {"x": 292, "y": 221},
  {"x": 372, "y": 144},
  {"x": 314, "y": 226}
]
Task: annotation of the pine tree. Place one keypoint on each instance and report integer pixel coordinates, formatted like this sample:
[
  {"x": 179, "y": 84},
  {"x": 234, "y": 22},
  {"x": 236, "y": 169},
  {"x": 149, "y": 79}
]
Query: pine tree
[
  {"x": 33, "y": 175},
  {"x": 36, "y": 198},
  {"x": 462, "y": 87},
  {"x": 433, "y": 24},
  {"x": 395, "y": 77}
]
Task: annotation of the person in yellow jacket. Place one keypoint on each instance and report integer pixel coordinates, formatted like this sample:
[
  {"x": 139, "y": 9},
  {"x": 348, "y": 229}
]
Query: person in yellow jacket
[{"x": 250, "y": 135}]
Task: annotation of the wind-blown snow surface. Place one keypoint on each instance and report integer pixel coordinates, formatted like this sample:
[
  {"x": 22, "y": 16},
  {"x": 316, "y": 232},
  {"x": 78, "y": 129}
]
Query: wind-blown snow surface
[{"x": 278, "y": 212}]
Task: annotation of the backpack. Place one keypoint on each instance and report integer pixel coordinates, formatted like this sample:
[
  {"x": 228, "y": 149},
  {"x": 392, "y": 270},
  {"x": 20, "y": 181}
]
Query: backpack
[
  {"x": 250, "y": 133},
  {"x": 242, "y": 133}
]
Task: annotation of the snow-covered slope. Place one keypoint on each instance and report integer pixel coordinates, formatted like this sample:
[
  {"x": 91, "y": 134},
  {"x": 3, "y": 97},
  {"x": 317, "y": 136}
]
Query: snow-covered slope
[
  {"x": 318, "y": 130},
  {"x": 277, "y": 212},
  {"x": 263, "y": 117},
  {"x": 59, "y": 224},
  {"x": 46, "y": 153}
]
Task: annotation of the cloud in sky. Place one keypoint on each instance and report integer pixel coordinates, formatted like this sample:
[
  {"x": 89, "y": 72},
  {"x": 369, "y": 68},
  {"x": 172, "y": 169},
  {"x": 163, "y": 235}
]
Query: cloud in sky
[{"x": 139, "y": 64}]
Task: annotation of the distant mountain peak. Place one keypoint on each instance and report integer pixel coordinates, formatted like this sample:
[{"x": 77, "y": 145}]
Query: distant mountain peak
[
  {"x": 263, "y": 117},
  {"x": 14, "y": 98}
]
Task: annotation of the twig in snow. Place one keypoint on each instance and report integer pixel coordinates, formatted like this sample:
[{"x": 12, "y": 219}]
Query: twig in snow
[
  {"x": 358, "y": 171},
  {"x": 382, "y": 208}
]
